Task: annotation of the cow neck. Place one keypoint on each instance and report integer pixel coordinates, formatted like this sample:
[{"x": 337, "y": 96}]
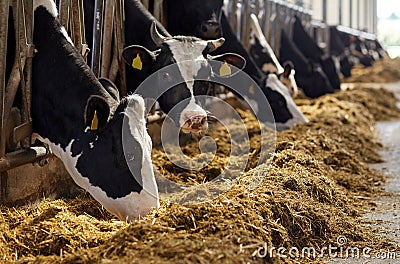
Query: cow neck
[{"x": 62, "y": 82}]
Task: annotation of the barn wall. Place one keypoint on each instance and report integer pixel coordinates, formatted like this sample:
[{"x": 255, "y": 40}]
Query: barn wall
[{"x": 358, "y": 14}]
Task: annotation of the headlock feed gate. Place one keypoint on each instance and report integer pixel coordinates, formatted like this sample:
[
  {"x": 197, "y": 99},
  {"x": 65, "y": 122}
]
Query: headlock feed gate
[{"x": 22, "y": 176}]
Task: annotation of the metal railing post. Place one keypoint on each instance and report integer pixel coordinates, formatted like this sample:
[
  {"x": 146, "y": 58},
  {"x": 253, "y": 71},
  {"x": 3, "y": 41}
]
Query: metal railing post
[
  {"x": 97, "y": 36},
  {"x": 107, "y": 38}
]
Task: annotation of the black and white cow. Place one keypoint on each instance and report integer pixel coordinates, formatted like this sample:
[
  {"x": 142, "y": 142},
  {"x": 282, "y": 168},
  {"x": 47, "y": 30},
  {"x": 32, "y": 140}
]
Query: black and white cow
[
  {"x": 205, "y": 19},
  {"x": 266, "y": 60},
  {"x": 312, "y": 51},
  {"x": 357, "y": 55},
  {"x": 338, "y": 49},
  {"x": 180, "y": 101},
  {"x": 83, "y": 122},
  {"x": 309, "y": 76},
  {"x": 183, "y": 99}
]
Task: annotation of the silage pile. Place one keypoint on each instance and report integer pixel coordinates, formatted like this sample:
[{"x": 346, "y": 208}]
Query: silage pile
[
  {"x": 383, "y": 71},
  {"x": 316, "y": 187}
]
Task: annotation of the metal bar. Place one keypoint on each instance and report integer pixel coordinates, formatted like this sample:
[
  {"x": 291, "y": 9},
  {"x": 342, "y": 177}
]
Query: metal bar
[
  {"x": 146, "y": 3},
  {"x": 97, "y": 36},
  {"x": 120, "y": 42},
  {"x": 159, "y": 11},
  {"x": 3, "y": 58},
  {"x": 64, "y": 13},
  {"x": 340, "y": 12},
  {"x": 375, "y": 18},
  {"x": 266, "y": 26},
  {"x": 358, "y": 14},
  {"x": 351, "y": 13},
  {"x": 4, "y": 8},
  {"x": 233, "y": 18},
  {"x": 245, "y": 21},
  {"x": 22, "y": 157},
  {"x": 324, "y": 11},
  {"x": 107, "y": 38},
  {"x": 75, "y": 25},
  {"x": 278, "y": 28},
  {"x": 27, "y": 48},
  {"x": 85, "y": 47},
  {"x": 19, "y": 63}
]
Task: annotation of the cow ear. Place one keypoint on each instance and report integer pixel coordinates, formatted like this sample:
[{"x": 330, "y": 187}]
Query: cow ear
[
  {"x": 138, "y": 57},
  {"x": 227, "y": 59},
  {"x": 287, "y": 69},
  {"x": 110, "y": 88},
  {"x": 97, "y": 112}
]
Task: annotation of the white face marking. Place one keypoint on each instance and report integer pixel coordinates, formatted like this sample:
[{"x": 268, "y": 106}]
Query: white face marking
[
  {"x": 190, "y": 59},
  {"x": 255, "y": 26},
  {"x": 336, "y": 60},
  {"x": 276, "y": 85},
  {"x": 264, "y": 43},
  {"x": 138, "y": 129},
  {"x": 51, "y": 7},
  {"x": 64, "y": 32},
  {"x": 290, "y": 83},
  {"x": 48, "y": 4}
]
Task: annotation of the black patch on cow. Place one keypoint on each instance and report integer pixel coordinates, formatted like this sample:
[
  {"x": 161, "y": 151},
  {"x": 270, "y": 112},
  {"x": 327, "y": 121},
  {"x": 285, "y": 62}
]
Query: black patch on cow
[{"x": 105, "y": 165}]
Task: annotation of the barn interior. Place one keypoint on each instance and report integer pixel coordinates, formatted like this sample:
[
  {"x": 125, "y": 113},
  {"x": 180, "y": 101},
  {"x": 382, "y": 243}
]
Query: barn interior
[{"x": 315, "y": 186}]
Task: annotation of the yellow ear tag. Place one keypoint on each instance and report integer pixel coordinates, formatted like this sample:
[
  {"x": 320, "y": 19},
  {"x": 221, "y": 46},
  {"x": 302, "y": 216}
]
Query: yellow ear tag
[
  {"x": 95, "y": 122},
  {"x": 225, "y": 69},
  {"x": 137, "y": 63}
]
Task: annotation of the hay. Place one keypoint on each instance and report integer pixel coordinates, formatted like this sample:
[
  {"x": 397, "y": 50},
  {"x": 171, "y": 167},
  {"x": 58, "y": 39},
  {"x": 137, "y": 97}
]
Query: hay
[
  {"x": 383, "y": 71},
  {"x": 314, "y": 190}
]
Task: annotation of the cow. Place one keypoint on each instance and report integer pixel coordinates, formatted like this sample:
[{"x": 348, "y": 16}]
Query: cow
[
  {"x": 350, "y": 41},
  {"x": 86, "y": 124},
  {"x": 206, "y": 19},
  {"x": 312, "y": 51},
  {"x": 266, "y": 60},
  {"x": 339, "y": 50},
  {"x": 184, "y": 99},
  {"x": 309, "y": 76},
  {"x": 187, "y": 85}
]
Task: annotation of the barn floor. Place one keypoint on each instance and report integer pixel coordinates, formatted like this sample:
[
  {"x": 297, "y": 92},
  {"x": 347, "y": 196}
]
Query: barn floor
[{"x": 317, "y": 188}]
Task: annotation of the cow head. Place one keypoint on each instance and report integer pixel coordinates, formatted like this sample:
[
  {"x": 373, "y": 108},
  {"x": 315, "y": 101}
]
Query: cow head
[
  {"x": 122, "y": 177},
  {"x": 177, "y": 64},
  {"x": 286, "y": 112},
  {"x": 266, "y": 63},
  {"x": 314, "y": 82}
]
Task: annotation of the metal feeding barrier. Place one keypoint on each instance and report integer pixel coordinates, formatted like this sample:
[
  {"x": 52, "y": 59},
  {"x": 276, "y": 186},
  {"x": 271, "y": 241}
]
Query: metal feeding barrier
[
  {"x": 20, "y": 78},
  {"x": 273, "y": 15}
]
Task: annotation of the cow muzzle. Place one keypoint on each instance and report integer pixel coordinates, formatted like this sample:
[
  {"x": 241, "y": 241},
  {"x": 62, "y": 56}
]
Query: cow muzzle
[{"x": 194, "y": 124}]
